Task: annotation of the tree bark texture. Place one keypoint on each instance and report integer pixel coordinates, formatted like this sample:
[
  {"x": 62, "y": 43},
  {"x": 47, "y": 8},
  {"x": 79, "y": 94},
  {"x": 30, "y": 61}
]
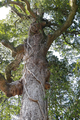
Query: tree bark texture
[{"x": 35, "y": 75}]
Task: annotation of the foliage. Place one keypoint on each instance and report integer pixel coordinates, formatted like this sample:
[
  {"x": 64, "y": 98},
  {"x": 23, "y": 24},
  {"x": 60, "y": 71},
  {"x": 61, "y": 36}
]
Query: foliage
[
  {"x": 9, "y": 107},
  {"x": 64, "y": 94}
]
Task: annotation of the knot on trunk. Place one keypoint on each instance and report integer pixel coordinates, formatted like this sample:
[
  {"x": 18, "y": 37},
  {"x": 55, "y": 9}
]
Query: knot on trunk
[
  {"x": 35, "y": 28},
  {"x": 47, "y": 85}
]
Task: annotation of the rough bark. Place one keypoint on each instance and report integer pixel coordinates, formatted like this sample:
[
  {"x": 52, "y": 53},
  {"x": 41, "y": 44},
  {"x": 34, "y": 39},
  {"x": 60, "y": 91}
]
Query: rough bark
[{"x": 35, "y": 75}]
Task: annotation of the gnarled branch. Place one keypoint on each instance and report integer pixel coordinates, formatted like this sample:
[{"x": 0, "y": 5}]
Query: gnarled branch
[
  {"x": 6, "y": 85},
  {"x": 13, "y": 66},
  {"x": 11, "y": 89},
  {"x": 16, "y": 51}
]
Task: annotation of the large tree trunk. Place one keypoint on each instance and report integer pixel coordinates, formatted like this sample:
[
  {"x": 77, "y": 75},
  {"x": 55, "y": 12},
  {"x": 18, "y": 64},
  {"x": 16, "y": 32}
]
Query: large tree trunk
[{"x": 35, "y": 75}]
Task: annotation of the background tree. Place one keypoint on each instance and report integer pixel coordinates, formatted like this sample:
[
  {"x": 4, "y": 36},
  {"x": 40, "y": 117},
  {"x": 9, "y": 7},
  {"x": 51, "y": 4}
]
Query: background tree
[{"x": 50, "y": 21}]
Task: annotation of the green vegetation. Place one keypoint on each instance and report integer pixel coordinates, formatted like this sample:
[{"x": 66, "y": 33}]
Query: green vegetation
[{"x": 64, "y": 93}]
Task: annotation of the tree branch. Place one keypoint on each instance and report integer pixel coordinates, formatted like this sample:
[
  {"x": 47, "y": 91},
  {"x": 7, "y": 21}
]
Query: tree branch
[
  {"x": 73, "y": 32},
  {"x": 21, "y": 5},
  {"x": 20, "y": 49},
  {"x": 50, "y": 23},
  {"x": 17, "y": 12},
  {"x": 63, "y": 11},
  {"x": 7, "y": 86},
  {"x": 30, "y": 10},
  {"x": 66, "y": 25},
  {"x": 22, "y": 16},
  {"x": 11, "y": 89},
  {"x": 13, "y": 66},
  {"x": 15, "y": 50},
  {"x": 9, "y": 45}
]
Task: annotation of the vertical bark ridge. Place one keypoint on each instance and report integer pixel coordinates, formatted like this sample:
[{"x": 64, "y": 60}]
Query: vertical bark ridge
[{"x": 34, "y": 76}]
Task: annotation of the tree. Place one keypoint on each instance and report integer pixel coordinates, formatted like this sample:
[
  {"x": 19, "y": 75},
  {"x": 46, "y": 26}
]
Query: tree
[{"x": 42, "y": 33}]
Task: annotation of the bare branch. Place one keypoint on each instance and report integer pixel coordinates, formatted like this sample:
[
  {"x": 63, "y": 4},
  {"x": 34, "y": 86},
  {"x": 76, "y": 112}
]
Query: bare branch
[
  {"x": 11, "y": 89},
  {"x": 66, "y": 25}
]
